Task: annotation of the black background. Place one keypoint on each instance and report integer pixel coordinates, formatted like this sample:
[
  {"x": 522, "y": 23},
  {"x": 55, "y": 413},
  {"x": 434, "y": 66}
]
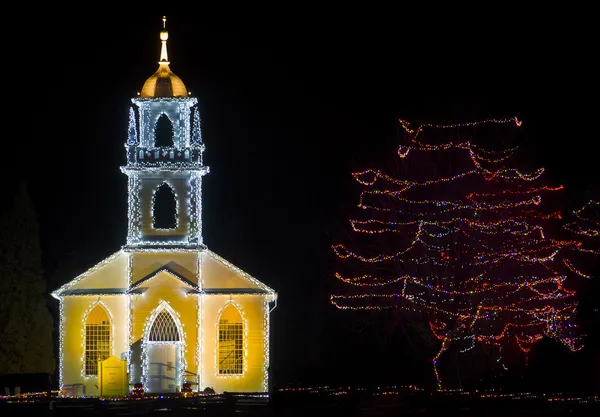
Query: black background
[{"x": 290, "y": 106}]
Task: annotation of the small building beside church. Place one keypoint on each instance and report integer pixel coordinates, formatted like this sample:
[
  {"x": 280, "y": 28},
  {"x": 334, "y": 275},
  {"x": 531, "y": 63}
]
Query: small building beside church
[{"x": 178, "y": 313}]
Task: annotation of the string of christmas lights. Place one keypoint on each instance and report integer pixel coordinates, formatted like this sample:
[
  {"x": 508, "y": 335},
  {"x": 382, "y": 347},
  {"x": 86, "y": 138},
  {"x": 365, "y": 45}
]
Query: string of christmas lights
[
  {"x": 588, "y": 220},
  {"x": 470, "y": 249}
]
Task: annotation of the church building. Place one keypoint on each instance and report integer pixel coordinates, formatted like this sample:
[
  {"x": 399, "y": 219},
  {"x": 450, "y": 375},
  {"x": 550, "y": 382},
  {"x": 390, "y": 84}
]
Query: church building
[{"x": 180, "y": 315}]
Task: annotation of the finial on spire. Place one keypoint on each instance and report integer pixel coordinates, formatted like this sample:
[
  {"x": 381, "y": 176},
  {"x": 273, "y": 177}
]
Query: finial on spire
[{"x": 164, "y": 35}]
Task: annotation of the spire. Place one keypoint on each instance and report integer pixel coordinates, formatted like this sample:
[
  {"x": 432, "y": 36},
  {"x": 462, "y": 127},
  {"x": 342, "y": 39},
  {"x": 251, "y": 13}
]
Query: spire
[
  {"x": 164, "y": 35},
  {"x": 163, "y": 83}
]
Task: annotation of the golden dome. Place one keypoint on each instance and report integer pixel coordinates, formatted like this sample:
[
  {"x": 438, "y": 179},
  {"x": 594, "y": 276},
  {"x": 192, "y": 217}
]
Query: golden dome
[{"x": 163, "y": 83}]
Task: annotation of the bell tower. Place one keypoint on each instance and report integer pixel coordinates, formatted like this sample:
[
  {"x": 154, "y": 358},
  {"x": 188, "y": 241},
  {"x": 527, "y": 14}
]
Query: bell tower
[{"x": 164, "y": 162}]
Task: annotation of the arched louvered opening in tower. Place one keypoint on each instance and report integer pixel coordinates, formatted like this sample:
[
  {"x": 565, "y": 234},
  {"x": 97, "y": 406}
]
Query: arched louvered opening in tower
[
  {"x": 164, "y": 329},
  {"x": 231, "y": 342},
  {"x": 163, "y": 132},
  {"x": 97, "y": 339},
  {"x": 164, "y": 208}
]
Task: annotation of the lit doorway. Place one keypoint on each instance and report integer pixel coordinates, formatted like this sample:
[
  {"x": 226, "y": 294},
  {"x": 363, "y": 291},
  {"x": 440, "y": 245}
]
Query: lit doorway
[{"x": 163, "y": 355}]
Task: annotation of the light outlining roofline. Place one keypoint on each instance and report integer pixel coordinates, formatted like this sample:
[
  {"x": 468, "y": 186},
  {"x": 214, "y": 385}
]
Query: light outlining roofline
[
  {"x": 57, "y": 293},
  {"x": 244, "y": 274}
]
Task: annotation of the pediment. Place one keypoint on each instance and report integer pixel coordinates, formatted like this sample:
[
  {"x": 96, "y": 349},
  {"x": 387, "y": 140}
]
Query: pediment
[
  {"x": 144, "y": 264},
  {"x": 146, "y": 281},
  {"x": 217, "y": 276}
]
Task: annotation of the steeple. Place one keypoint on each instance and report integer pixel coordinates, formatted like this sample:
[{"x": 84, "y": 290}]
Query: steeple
[
  {"x": 163, "y": 83},
  {"x": 164, "y": 162}
]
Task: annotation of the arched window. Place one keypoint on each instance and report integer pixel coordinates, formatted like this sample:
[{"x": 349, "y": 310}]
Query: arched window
[
  {"x": 164, "y": 329},
  {"x": 163, "y": 132},
  {"x": 231, "y": 342},
  {"x": 97, "y": 338},
  {"x": 164, "y": 208}
]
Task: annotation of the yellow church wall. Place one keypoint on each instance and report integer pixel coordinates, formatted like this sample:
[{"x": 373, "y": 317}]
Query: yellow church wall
[
  {"x": 110, "y": 273},
  {"x": 164, "y": 287},
  {"x": 144, "y": 263},
  {"x": 74, "y": 313},
  {"x": 252, "y": 309}
]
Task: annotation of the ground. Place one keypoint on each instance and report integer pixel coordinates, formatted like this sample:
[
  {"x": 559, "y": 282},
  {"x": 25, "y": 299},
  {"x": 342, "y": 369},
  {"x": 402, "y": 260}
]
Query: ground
[{"x": 331, "y": 402}]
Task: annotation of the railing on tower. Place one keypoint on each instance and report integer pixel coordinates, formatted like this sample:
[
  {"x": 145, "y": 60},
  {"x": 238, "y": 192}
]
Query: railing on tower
[{"x": 149, "y": 156}]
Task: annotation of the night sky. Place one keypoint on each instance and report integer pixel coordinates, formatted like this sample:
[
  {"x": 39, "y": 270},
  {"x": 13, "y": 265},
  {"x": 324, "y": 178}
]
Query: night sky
[{"x": 289, "y": 109}]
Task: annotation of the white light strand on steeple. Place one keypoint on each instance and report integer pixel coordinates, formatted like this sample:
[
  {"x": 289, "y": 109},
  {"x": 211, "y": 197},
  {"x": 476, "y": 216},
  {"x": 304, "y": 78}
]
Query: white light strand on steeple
[
  {"x": 177, "y": 208},
  {"x": 196, "y": 128},
  {"x": 132, "y": 136}
]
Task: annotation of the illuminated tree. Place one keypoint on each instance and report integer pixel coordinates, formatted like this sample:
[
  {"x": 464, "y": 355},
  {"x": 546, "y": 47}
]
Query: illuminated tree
[
  {"x": 586, "y": 224},
  {"x": 587, "y": 221},
  {"x": 464, "y": 242}
]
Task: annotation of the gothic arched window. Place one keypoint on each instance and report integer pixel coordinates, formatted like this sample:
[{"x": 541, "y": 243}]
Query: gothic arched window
[
  {"x": 231, "y": 342},
  {"x": 163, "y": 132},
  {"x": 164, "y": 208},
  {"x": 164, "y": 329},
  {"x": 97, "y": 338}
]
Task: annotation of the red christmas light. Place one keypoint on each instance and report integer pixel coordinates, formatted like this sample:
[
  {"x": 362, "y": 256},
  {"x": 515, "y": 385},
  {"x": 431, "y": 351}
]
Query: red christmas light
[{"x": 472, "y": 250}]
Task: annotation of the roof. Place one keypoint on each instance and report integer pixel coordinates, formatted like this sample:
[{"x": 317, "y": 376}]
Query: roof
[
  {"x": 163, "y": 83},
  {"x": 226, "y": 279}
]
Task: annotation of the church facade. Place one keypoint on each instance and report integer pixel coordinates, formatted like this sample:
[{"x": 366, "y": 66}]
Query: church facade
[{"x": 179, "y": 314}]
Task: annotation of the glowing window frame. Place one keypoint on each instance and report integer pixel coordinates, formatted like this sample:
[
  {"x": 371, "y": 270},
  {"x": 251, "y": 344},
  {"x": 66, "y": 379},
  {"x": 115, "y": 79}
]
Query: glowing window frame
[
  {"x": 84, "y": 335},
  {"x": 245, "y": 341},
  {"x": 175, "y": 196},
  {"x": 154, "y": 130}
]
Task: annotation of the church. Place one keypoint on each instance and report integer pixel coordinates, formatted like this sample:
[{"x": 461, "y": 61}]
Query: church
[{"x": 179, "y": 315}]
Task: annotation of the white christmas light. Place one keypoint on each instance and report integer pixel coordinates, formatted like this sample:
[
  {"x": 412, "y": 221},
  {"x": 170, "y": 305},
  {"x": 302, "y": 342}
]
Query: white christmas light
[
  {"x": 175, "y": 196},
  {"x": 61, "y": 335},
  {"x": 196, "y": 129},
  {"x": 132, "y": 137},
  {"x": 57, "y": 293},
  {"x": 242, "y": 273}
]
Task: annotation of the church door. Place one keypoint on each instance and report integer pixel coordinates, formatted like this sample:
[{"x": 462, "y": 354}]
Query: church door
[{"x": 163, "y": 358}]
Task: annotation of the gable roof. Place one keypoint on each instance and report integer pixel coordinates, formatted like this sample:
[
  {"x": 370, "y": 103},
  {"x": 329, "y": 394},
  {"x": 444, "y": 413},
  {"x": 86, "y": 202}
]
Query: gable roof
[{"x": 219, "y": 276}]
